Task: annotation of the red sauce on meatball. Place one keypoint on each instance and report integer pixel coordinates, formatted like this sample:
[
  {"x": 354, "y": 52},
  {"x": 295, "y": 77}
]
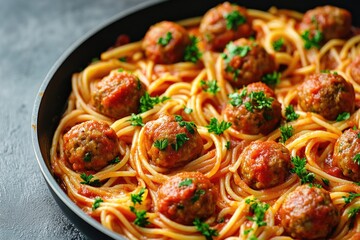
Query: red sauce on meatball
[
  {"x": 224, "y": 23},
  {"x": 248, "y": 116},
  {"x": 182, "y": 145},
  {"x": 90, "y": 146},
  {"x": 332, "y": 22},
  {"x": 245, "y": 62},
  {"x": 347, "y": 147},
  {"x": 118, "y": 94},
  {"x": 326, "y": 94},
  {"x": 265, "y": 164},
  {"x": 308, "y": 213},
  {"x": 186, "y": 196},
  {"x": 165, "y": 42}
]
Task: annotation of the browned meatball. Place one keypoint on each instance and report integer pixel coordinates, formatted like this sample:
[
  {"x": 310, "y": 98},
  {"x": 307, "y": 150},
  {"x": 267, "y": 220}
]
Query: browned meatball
[
  {"x": 186, "y": 196},
  {"x": 90, "y": 146},
  {"x": 246, "y": 62},
  {"x": 224, "y": 23},
  {"x": 347, "y": 154},
  {"x": 172, "y": 142},
  {"x": 118, "y": 94},
  {"x": 326, "y": 94},
  {"x": 254, "y": 109},
  {"x": 165, "y": 42},
  {"x": 265, "y": 164},
  {"x": 355, "y": 69},
  {"x": 332, "y": 21},
  {"x": 308, "y": 213}
]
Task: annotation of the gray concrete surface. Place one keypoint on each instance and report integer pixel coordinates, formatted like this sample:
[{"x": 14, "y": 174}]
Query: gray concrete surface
[{"x": 33, "y": 34}]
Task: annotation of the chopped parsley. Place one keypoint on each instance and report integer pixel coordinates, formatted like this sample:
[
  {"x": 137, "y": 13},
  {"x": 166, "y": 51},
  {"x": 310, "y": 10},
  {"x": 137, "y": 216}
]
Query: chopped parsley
[
  {"x": 258, "y": 209},
  {"x": 357, "y": 158},
  {"x": 236, "y": 99},
  {"x": 115, "y": 160},
  {"x": 216, "y": 127},
  {"x": 234, "y": 19},
  {"x": 290, "y": 114},
  {"x": 205, "y": 229},
  {"x": 353, "y": 212},
  {"x": 247, "y": 231},
  {"x": 123, "y": 59},
  {"x": 188, "y": 110},
  {"x": 161, "y": 144},
  {"x": 227, "y": 145},
  {"x": 136, "y": 120},
  {"x": 278, "y": 44},
  {"x": 348, "y": 199},
  {"x": 300, "y": 170},
  {"x": 314, "y": 41},
  {"x": 163, "y": 41},
  {"x": 286, "y": 132},
  {"x": 190, "y": 126},
  {"x": 210, "y": 86},
  {"x": 271, "y": 79},
  {"x": 192, "y": 53},
  {"x": 258, "y": 100},
  {"x": 147, "y": 102},
  {"x": 137, "y": 197},
  {"x": 87, "y": 157},
  {"x": 185, "y": 183},
  {"x": 325, "y": 181},
  {"x": 87, "y": 180},
  {"x": 96, "y": 203},
  {"x": 181, "y": 138},
  {"x": 197, "y": 195},
  {"x": 141, "y": 219},
  {"x": 343, "y": 116},
  {"x": 234, "y": 50}
]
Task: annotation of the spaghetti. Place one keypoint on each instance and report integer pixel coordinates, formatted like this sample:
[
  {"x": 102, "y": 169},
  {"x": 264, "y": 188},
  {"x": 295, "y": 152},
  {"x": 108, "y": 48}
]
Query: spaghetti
[{"x": 122, "y": 194}]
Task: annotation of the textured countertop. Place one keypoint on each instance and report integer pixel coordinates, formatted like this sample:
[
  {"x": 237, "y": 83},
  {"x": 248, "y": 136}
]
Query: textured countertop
[{"x": 33, "y": 34}]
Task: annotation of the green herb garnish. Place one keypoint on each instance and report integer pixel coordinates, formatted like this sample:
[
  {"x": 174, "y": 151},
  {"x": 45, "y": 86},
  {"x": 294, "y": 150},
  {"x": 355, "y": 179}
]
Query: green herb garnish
[
  {"x": 290, "y": 114},
  {"x": 87, "y": 180},
  {"x": 96, "y": 203},
  {"x": 271, "y": 79},
  {"x": 312, "y": 41},
  {"x": 87, "y": 157},
  {"x": 278, "y": 44},
  {"x": 163, "y": 41},
  {"x": 161, "y": 144},
  {"x": 300, "y": 170},
  {"x": 205, "y": 229},
  {"x": 136, "y": 120},
  {"x": 343, "y": 116},
  {"x": 181, "y": 138},
  {"x": 234, "y": 19},
  {"x": 192, "y": 53},
  {"x": 210, "y": 86},
  {"x": 147, "y": 102},
  {"x": 185, "y": 183},
  {"x": 286, "y": 132},
  {"x": 258, "y": 209},
  {"x": 216, "y": 127}
]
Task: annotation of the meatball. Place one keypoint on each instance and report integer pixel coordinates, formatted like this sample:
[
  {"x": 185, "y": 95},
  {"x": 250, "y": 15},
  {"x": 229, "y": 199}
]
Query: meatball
[
  {"x": 172, "y": 142},
  {"x": 347, "y": 154},
  {"x": 326, "y": 94},
  {"x": 165, "y": 42},
  {"x": 265, "y": 164},
  {"x": 254, "y": 109},
  {"x": 224, "y": 23},
  {"x": 308, "y": 213},
  {"x": 90, "y": 145},
  {"x": 355, "y": 69},
  {"x": 245, "y": 62},
  {"x": 118, "y": 94},
  {"x": 332, "y": 22},
  {"x": 186, "y": 196}
]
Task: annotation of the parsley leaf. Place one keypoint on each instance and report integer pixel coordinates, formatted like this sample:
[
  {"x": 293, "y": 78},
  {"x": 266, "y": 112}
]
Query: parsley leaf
[
  {"x": 234, "y": 50},
  {"x": 141, "y": 219},
  {"x": 271, "y": 79},
  {"x": 197, "y": 195},
  {"x": 300, "y": 170},
  {"x": 357, "y": 158},
  {"x": 290, "y": 114},
  {"x": 96, "y": 203},
  {"x": 259, "y": 209},
  {"x": 258, "y": 100},
  {"x": 227, "y": 145},
  {"x": 343, "y": 116},
  {"x": 87, "y": 157},
  {"x": 190, "y": 126},
  {"x": 216, "y": 127},
  {"x": 278, "y": 44},
  {"x": 236, "y": 99},
  {"x": 325, "y": 181},
  {"x": 87, "y": 180},
  {"x": 312, "y": 41},
  {"x": 147, "y": 102},
  {"x": 286, "y": 132},
  {"x": 185, "y": 183},
  {"x": 137, "y": 198},
  {"x": 205, "y": 229},
  {"x": 115, "y": 160},
  {"x": 188, "y": 110},
  {"x": 348, "y": 199},
  {"x": 353, "y": 212},
  {"x": 192, "y": 53},
  {"x": 181, "y": 138},
  {"x": 210, "y": 86},
  {"x": 161, "y": 144},
  {"x": 136, "y": 120},
  {"x": 234, "y": 19},
  {"x": 163, "y": 41}
]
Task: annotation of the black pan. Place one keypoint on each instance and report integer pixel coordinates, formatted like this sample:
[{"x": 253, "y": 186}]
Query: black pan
[{"x": 52, "y": 97}]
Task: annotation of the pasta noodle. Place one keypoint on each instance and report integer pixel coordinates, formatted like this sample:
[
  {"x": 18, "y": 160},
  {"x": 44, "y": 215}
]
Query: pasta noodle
[{"x": 313, "y": 136}]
